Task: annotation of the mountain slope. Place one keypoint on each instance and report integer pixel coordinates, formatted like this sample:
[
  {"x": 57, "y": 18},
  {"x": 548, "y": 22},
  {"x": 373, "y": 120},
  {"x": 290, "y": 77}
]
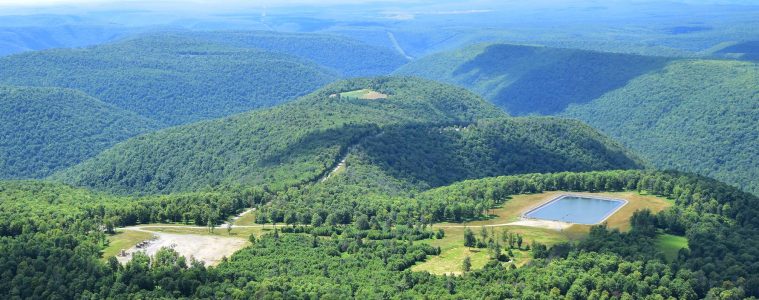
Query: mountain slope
[
  {"x": 45, "y": 129},
  {"x": 288, "y": 144},
  {"x": 698, "y": 116},
  {"x": 430, "y": 156},
  {"x": 745, "y": 51},
  {"x": 533, "y": 80},
  {"x": 19, "y": 33},
  {"x": 170, "y": 78},
  {"x": 351, "y": 58}
]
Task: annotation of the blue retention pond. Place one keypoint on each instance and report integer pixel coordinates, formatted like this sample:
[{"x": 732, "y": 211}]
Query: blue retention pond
[{"x": 586, "y": 210}]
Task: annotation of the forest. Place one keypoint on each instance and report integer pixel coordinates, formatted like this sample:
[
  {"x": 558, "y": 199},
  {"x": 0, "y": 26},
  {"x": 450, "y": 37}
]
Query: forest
[
  {"x": 47, "y": 129},
  {"x": 664, "y": 117},
  {"x": 604, "y": 150},
  {"x": 170, "y": 78},
  {"x": 541, "y": 80},
  {"x": 299, "y": 142},
  {"x": 343, "y": 261}
]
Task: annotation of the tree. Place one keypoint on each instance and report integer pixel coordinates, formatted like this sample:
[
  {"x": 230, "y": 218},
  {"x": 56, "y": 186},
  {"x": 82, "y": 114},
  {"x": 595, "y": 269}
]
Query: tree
[
  {"x": 211, "y": 225},
  {"x": 316, "y": 220},
  {"x": 469, "y": 239},
  {"x": 291, "y": 218},
  {"x": 467, "y": 264},
  {"x": 362, "y": 222}
]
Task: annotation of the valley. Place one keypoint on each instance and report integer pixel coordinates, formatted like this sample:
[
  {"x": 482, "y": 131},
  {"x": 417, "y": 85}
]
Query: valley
[{"x": 379, "y": 150}]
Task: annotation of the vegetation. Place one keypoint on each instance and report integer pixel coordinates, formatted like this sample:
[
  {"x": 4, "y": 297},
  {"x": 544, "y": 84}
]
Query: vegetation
[
  {"x": 746, "y": 51},
  {"x": 534, "y": 80},
  {"x": 302, "y": 141},
  {"x": 671, "y": 245},
  {"x": 294, "y": 143},
  {"x": 370, "y": 260},
  {"x": 430, "y": 156},
  {"x": 698, "y": 116},
  {"x": 170, "y": 78},
  {"x": 47, "y": 129},
  {"x": 386, "y": 187},
  {"x": 350, "y": 58}
]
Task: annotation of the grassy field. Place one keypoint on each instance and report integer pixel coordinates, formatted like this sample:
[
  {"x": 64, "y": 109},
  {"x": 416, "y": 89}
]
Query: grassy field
[
  {"x": 247, "y": 219},
  {"x": 363, "y": 94},
  {"x": 218, "y": 231},
  {"x": 452, "y": 245},
  {"x": 123, "y": 240},
  {"x": 671, "y": 244}
]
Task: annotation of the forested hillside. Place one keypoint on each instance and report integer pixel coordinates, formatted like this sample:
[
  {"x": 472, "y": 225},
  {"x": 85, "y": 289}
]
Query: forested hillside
[
  {"x": 364, "y": 248},
  {"x": 170, "y": 78},
  {"x": 19, "y": 33},
  {"x": 745, "y": 50},
  {"x": 698, "y": 116},
  {"x": 43, "y": 130},
  {"x": 532, "y": 79},
  {"x": 350, "y": 58},
  {"x": 292, "y": 143},
  {"x": 419, "y": 134},
  {"x": 430, "y": 156}
]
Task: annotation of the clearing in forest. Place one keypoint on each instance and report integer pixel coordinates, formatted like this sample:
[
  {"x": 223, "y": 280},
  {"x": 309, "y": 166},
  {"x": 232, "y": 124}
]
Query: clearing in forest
[
  {"x": 206, "y": 248},
  {"x": 671, "y": 245},
  {"x": 508, "y": 218},
  {"x": 366, "y": 94}
]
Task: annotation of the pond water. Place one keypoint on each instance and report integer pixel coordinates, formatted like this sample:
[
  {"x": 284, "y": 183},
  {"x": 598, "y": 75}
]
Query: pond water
[{"x": 576, "y": 209}]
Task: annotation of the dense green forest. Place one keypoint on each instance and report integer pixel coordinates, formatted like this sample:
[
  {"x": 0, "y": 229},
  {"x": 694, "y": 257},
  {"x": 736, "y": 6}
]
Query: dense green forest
[
  {"x": 691, "y": 115},
  {"x": 43, "y": 130},
  {"x": 170, "y": 78},
  {"x": 379, "y": 150},
  {"x": 697, "y": 116},
  {"x": 429, "y": 156},
  {"x": 350, "y": 58},
  {"x": 745, "y": 50},
  {"x": 352, "y": 257},
  {"x": 37, "y": 32},
  {"x": 292, "y": 143},
  {"x": 407, "y": 135},
  {"x": 531, "y": 79}
]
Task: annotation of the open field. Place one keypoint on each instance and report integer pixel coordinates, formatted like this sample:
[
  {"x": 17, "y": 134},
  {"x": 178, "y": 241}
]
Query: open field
[
  {"x": 508, "y": 217},
  {"x": 188, "y": 240},
  {"x": 209, "y": 249},
  {"x": 366, "y": 94},
  {"x": 124, "y": 240},
  {"x": 671, "y": 245},
  {"x": 247, "y": 217},
  {"x": 450, "y": 262}
]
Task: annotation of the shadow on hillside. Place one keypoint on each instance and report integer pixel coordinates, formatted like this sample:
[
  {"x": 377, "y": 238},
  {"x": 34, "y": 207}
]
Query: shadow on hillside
[
  {"x": 547, "y": 80},
  {"x": 428, "y": 156},
  {"x": 317, "y": 148}
]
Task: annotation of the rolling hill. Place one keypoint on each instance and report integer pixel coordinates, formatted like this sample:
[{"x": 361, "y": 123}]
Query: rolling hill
[
  {"x": 43, "y": 130},
  {"x": 301, "y": 141},
  {"x": 20, "y": 33},
  {"x": 748, "y": 50},
  {"x": 696, "y": 115},
  {"x": 348, "y": 57},
  {"x": 430, "y": 156},
  {"x": 288, "y": 144},
  {"x": 170, "y": 78},
  {"x": 527, "y": 80}
]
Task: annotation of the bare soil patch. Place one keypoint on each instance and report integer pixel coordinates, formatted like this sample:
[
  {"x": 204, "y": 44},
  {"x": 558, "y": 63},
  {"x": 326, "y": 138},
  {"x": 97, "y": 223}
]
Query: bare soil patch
[{"x": 209, "y": 249}]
